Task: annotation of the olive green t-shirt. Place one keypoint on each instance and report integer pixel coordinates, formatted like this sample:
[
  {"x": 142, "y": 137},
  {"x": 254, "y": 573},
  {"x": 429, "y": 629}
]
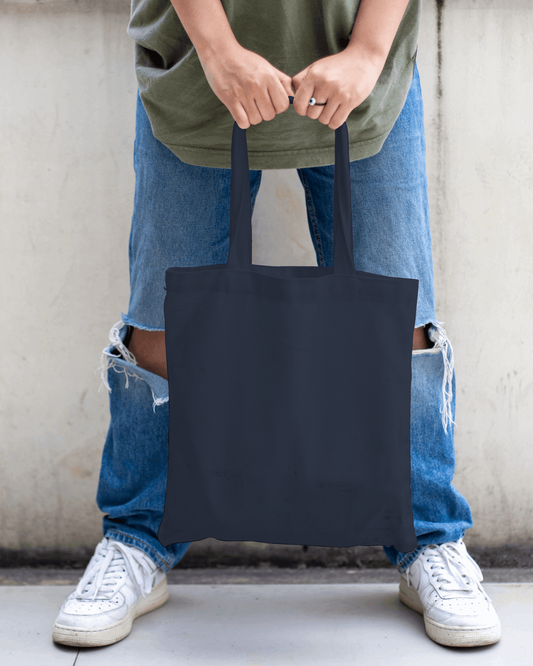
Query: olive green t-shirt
[{"x": 188, "y": 118}]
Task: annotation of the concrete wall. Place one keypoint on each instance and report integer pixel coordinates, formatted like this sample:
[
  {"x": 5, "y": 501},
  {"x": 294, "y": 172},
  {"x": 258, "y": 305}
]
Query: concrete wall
[{"x": 67, "y": 127}]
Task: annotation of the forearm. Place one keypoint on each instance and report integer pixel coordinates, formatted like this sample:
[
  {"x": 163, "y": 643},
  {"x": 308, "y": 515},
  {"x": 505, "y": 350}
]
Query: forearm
[
  {"x": 207, "y": 25},
  {"x": 375, "y": 27}
]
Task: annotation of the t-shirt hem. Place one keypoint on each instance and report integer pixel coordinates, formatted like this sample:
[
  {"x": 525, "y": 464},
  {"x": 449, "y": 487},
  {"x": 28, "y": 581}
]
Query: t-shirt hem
[{"x": 294, "y": 159}]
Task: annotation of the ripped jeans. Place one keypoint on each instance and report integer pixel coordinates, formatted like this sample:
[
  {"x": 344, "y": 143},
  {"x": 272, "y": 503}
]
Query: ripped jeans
[{"x": 181, "y": 218}]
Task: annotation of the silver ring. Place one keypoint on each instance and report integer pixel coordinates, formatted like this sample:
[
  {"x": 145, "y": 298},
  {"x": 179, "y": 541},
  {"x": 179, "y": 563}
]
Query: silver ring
[{"x": 313, "y": 102}]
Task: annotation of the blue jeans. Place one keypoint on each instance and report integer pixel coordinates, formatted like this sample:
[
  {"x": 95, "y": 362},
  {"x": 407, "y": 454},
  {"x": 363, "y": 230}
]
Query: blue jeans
[{"x": 181, "y": 218}]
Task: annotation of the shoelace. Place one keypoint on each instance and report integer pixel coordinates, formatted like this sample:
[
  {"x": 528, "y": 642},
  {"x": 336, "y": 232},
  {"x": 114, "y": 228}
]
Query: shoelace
[
  {"x": 110, "y": 560},
  {"x": 453, "y": 573}
]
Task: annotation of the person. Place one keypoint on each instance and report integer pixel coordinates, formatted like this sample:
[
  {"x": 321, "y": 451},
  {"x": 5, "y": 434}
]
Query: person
[{"x": 202, "y": 65}]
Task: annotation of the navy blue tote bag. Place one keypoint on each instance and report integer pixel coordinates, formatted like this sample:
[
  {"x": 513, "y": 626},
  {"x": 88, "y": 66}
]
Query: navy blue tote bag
[{"x": 289, "y": 391}]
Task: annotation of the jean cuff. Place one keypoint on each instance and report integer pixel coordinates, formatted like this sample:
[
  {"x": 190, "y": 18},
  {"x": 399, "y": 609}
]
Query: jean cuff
[{"x": 138, "y": 540}]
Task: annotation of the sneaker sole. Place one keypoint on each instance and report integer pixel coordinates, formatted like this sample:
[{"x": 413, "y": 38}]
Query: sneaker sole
[
  {"x": 82, "y": 637},
  {"x": 446, "y": 635}
]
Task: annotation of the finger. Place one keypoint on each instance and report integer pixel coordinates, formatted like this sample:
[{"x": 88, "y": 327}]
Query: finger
[
  {"x": 324, "y": 113},
  {"x": 280, "y": 91},
  {"x": 265, "y": 106},
  {"x": 336, "y": 116},
  {"x": 279, "y": 97},
  {"x": 302, "y": 97},
  {"x": 252, "y": 112},
  {"x": 286, "y": 82},
  {"x": 280, "y": 94},
  {"x": 298, "y": 79},
  {"x": 315, "y": 112},
  {"x": 240, "y": 116},
  {"x": 301, "y": 100}
]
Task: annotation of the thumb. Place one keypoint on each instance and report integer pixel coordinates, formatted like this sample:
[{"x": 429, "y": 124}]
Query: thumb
[
  {"x": 298, "y": 79},
  {"x": 286, "y": 82}
]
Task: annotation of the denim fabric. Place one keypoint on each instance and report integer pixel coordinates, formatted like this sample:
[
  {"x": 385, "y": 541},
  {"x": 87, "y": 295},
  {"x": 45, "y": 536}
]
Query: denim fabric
[{"x": 181, "y": 218}]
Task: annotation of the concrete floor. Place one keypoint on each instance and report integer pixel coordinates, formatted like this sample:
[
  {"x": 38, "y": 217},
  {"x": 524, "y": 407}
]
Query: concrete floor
[
  {"x": 264, "y": 575},
  {"x": 265, "y": 625}
]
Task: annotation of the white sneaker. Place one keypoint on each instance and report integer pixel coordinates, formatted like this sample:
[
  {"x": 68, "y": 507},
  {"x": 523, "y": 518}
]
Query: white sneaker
[
  {"x": 444, "y": 585},
  {"x": 119, "y": 584}
]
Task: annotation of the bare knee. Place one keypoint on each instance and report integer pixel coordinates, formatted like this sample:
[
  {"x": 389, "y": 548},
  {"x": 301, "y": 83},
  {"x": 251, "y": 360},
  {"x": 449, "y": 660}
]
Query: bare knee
[
  {"x": 421, "y": 338},
  {"x": 148, "y": 347}
]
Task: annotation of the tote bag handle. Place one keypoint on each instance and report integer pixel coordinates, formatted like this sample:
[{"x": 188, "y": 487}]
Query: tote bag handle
[{"x": 240, "y": 242}]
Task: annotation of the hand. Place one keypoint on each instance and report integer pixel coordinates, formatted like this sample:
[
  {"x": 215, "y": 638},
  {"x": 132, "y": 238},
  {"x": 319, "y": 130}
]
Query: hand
[
  {"x": 252, "y": 89},
  {"x": 344, "y": 79}
]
